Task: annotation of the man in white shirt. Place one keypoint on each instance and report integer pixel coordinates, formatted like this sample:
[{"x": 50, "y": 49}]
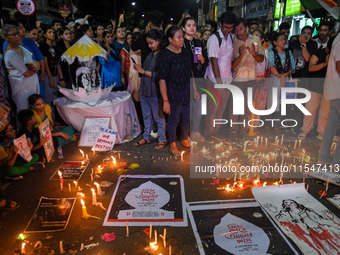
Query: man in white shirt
[
  {"x": 220, "y": 53},
  {"x": 332, "y": 93}
]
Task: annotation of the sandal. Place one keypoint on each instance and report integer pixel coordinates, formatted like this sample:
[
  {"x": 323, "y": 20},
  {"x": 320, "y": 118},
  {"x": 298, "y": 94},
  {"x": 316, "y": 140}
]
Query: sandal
[
  {"x": 142, "y": 142},
  {"x": 302, "y": 136},
  {"x": 10, "y": 205},
  {"x": 160, "y": 145}
]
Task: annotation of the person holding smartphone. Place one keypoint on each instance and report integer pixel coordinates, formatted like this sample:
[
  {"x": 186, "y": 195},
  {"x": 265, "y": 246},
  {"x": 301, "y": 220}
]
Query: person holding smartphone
[{"x": 195, "y": 50}]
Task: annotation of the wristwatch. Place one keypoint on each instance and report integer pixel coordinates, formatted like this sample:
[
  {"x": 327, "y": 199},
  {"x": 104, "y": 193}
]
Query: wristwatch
[{"x": 303, "y": 45}]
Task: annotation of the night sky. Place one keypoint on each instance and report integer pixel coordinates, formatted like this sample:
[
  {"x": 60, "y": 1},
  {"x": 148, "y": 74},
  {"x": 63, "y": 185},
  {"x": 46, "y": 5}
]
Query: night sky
[{"x": 170, "y": 8}]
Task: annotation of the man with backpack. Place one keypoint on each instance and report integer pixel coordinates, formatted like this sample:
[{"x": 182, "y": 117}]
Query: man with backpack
[{"x": 220, "y": 53}]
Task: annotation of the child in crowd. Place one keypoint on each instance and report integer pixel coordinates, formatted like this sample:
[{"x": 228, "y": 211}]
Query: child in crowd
[
  {"x": 10, "y": 164},
  {"x": 42, "y": 112},
  {"x": 28, "y": 122}
]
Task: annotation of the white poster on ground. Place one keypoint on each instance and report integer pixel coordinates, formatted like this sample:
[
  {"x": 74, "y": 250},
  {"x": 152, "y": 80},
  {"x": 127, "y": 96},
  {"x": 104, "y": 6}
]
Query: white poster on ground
[
  {"x": 308, "y": 223},
  {"x": 236, "y": 227},
  {"x": 145, "y": 199}
]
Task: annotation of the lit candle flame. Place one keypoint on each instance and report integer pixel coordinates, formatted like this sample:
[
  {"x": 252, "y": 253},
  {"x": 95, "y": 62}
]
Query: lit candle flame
[
  {"x": 82, "y": 152},
  {"x": 82, "y": 194},
  {"x": 113, "y": 160},
  {"x": 265, "y": 184},
  {"x": 60, "y": 173},
  {"x": 204, "y": 150},
  {"x": 276, "y": 183},
  {"x": 82, "y": 202},
  {"x": 93, "y": 191},
  {"x": 94, "y": 152}
]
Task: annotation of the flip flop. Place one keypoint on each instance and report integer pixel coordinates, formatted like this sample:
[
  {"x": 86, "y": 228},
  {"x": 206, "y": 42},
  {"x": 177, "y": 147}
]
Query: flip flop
[
  {"x": 142, "y": 142},
  {"x": 9, "y": 205},
  {"x": 160, "y": 145}
]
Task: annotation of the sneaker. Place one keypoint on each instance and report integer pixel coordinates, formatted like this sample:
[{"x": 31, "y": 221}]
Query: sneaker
[{"x": 196, "y": 136}]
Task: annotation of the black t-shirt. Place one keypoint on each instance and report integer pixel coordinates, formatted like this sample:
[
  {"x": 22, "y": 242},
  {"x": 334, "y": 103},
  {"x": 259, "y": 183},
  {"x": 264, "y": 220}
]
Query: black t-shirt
[
  {"x": 34, "y": 135},
  {"x": 52, "y": 58},
  {"x": 301, "y": 65},
  {"x": 318, "y": 77}
]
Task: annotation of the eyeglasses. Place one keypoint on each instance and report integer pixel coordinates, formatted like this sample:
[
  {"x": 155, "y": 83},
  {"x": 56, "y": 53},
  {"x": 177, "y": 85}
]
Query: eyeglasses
[{"x": 14, "y": 34}]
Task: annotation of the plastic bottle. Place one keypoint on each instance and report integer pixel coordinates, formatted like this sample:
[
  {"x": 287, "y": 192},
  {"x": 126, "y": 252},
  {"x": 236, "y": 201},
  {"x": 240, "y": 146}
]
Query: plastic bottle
[
  {"x": 128, "y": 127},
  {"x": 135, "y": 126},
  {"x": 60, "y": 152}
]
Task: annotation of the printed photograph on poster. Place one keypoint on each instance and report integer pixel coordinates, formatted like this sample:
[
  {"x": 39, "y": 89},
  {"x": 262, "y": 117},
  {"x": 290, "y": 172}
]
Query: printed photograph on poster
[
  {"x": 91, "y": 129},
  {"x": 105, "y": 141},
  {"x": 52, "y": 214},
  {"x": 71, "y": 170},
  {"x": 145, "y": 199},
  {"x": 45, "y": 131},
  {"x": 24, "y": 148},
  {"x": 334, "y": 178},
  {"x": 308, "y": 223},
  {"x": 236, "y": 227}
]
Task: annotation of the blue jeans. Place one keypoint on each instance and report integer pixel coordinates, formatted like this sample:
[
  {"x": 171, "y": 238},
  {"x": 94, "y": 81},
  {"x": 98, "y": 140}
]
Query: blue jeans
[
  {"x": 333, "y": 124},
  {"x": 177, "y": 111},
  {"x": 151, "y": 108}
]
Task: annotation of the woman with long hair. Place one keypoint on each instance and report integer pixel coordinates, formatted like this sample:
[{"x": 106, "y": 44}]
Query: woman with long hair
[
  {"x": 64, "y": 78},
  {"x": 22, "y": 70},
  {"x": 125, "y": 58},
  {"x": 174, "y": 72},
  {"x": 151, "y": 108},
  {"x": 195, "y": 50},
  {"x": 110, "y": 67}
]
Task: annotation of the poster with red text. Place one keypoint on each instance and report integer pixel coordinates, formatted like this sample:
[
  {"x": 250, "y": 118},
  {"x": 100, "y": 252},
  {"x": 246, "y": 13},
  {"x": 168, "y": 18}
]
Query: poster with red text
[
  {"x": 308, "y": 223},
  {"x": 105, "y": 141},
  {"x": 145, "y": 199},
  {"x": 45, "y": 131},
  {"x": 235, "y": 227}
]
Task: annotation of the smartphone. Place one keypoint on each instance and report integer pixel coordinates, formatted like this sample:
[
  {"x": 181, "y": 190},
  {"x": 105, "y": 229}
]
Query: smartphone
[
  {"x": 198, "y": 50},
  {"x": 186, "y": 11},
  {"x": 133, "y": 61}
]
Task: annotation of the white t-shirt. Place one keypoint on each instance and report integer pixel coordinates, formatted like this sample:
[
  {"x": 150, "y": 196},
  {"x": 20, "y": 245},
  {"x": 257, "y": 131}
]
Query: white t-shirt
[
  {"x": 332, "y": 81},
  {"x": 224, "y": 53}
]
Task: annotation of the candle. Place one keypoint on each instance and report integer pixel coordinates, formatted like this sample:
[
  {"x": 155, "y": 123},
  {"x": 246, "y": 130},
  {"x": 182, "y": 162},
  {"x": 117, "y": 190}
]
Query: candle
[
  {"x": 299, "y": 143},
  {"x": 82, "y": 153},
  {"x": 61, "y": 247},
  {"x": 69, "y": 187},
  {"x": 276, "y": 139},
  {"x": 61, "y": 180},
  {"x": 84, "y": 214},
  {"x": 118, "y": 155},
  {"x": 127, "y": 228},
  {"x": 322, "y": 194},
  {"x": 307, "y": 187},
  {"x": 245, "y": 145},
  {"x": 303, "y": 156},
  {"x": 182, "y": 153},
  {"x": 94, "y": 152},
  {"x": 266, "y": 142},
  {"x": 261, "y": 139},
  {"x": 295, "y": 144},
  {"x": 23, "y": 250},
  {"x": 155, "y": 236},
  {"x": 99, "y": 190},
  {"x": 170, "y": 250},
  {"x": 164, "y": 237},
  {"x": 87, "y": 156},
  {"x": 75, "y": 184},
  {"x": 327, "y": 183},
  {"x": 150, "y": 234},
  {"x": 282, "y": 139},
  {"x": 94, "y": 197},
  {"x": 114, "y": 162},
  {"x": 92, "y": 175}
]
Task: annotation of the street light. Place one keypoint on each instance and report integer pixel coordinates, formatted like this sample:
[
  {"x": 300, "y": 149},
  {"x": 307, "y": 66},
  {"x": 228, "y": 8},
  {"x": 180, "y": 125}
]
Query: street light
[
  {"x": 171, "y": 19},
  {"x": 143, "y": 15},
  {"x": 133, "y": 3}
]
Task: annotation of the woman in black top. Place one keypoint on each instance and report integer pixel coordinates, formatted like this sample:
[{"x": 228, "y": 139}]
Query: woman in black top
[
  {"x": 64, "y": 77},
  {"x": 51, "y": 64},
  {"x": 195, "y": 50},
  {"x": 174, "y": 71}
]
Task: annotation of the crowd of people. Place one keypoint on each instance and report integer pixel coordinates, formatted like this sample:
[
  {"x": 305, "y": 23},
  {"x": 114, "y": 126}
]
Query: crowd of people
[{"x": 164, "y": 69}]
